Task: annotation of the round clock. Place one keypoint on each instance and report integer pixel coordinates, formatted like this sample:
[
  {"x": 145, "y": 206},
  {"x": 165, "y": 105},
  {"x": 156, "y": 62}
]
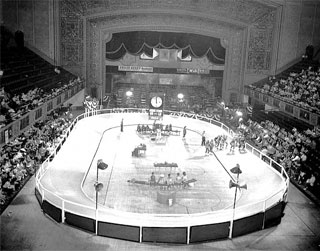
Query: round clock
[{"x": 156, "y": 101}]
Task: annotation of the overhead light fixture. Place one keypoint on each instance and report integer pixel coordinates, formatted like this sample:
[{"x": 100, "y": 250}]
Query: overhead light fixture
[
  {"x": 129, "y": 93},
  {"x": 180, "y": 96}
]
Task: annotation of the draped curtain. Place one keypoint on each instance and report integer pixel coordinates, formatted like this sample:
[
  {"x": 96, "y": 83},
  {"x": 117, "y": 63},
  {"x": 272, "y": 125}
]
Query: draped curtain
[{"x": 138, "y": 42}]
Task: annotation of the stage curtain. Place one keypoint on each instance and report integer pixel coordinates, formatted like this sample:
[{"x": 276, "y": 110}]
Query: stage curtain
[{"x": 138, "y": 42}]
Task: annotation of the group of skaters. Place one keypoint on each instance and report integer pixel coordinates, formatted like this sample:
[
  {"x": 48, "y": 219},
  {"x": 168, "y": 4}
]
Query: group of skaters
[
  {"x": 170, "y": 182},
  {"x": 147, "y": 128},
  {"x": 220, "y": 142}
]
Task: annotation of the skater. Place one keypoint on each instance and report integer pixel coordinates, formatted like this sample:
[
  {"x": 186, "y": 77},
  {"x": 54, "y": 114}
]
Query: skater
[
  {"x": 232, "y": 145},
  {"x": 203, "y": 141},
  {"x": 184, "y": 180},
  {"x": 121, "y": 125},
  {"x": 184, "y": 131},
  {"x": 207, "y": 145}
]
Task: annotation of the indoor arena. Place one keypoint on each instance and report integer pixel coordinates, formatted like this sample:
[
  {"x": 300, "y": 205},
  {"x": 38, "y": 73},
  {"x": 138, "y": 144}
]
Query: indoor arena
[{"x": 151, "y": 125}]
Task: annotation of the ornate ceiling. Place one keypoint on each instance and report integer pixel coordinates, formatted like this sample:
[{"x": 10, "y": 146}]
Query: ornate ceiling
[{"x": 242, "y": 11}]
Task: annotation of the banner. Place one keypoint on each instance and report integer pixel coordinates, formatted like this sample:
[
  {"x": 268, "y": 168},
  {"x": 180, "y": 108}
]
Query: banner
[
  {"x": 135, "y": 68},
  {"x": 192, "y": 71}
]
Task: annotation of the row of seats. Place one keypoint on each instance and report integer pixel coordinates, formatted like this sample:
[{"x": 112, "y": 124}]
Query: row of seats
[
  {"x": 282, "y": 119},
  {"x": 295, "y": 150},
  {"x": 27, "y": 80},
  {"x": 20, "y": 158},
  {"x": 298, "y": 86},
  {"x": 25, "y": 70}
]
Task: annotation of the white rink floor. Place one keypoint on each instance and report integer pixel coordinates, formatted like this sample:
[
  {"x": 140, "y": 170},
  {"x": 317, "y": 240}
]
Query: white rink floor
[{"x": 73, "y": 172}]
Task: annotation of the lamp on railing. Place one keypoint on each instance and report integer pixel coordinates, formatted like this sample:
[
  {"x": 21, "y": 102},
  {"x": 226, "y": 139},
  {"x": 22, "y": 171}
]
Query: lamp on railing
[
  {"x": 99, "y": 186},
  {"x": 235, "y": 170},
  {"x": 180, "y": 100},
  {"x": 223, "y": 105}
]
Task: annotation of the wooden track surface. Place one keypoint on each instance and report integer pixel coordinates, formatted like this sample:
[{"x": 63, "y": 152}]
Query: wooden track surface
[{"x": 210, "y": 193}]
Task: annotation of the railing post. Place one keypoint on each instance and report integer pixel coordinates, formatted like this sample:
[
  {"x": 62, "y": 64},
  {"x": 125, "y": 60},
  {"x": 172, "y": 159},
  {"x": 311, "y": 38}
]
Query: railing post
[
  {"x": 62, "y": 212},
  {"x": 96, "y": 222},
  {"x": 42, "y": 194},
  {"x": 140, "y": 236},
  {"x": 188, "y": 235},
  {"x": 231, "y": 228},
  {"x": 264, "y": 213}
]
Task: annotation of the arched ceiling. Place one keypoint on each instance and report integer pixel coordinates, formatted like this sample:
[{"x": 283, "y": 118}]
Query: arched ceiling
[{"x": 243, "y": 12}]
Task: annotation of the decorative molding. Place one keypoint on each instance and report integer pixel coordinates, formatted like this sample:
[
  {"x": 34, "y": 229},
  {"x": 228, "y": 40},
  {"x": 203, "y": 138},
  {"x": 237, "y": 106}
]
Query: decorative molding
[
  {"x": 261, "y": 36},
  {"x": 72, "y": 53},
  {"x": 224, "y": 42},
  {"x": 237, "y": 53},
  {"x": 106, "y": 36},
  {"x": 71, "y": 36},
  {"x": 71, "y": 29},
  {"x": 245, "y": 11},
  {"x": 98, "y": 29}
]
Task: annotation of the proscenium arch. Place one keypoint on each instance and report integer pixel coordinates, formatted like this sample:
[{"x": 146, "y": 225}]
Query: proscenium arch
[
  {"x": 99, "y": 31},
  {"x": 162, "y": 28}
]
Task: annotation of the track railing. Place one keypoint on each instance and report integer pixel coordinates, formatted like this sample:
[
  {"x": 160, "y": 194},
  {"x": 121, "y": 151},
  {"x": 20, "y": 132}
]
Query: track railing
[{"x": 160, "y": 220}]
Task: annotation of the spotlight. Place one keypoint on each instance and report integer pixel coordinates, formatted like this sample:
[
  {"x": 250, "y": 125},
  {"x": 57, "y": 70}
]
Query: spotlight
[
  {"x": 129, "y": 93},
  {"x": 239, "y": 113},
  {"x": 180, "y": 96}
]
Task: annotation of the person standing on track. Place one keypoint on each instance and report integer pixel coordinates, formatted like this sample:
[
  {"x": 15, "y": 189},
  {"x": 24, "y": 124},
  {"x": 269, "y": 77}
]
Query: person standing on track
[
  {"x": 184, "y": 131},
  {"x": 121, "y": 125},
  {"x": 203, "y": 141}
]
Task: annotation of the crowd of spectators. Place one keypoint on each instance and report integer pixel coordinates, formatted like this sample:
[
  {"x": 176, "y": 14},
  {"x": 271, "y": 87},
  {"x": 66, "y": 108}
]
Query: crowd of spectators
[
  {"x": 20, "y": 158},
  {"x": 295, "y": 151},
  {"x": 301, "y": 88},
  {"x": 14, "y": 106}
]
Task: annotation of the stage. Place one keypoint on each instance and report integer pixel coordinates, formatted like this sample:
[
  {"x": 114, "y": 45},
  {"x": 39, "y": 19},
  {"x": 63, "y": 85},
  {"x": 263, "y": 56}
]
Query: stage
[{"x": 71, "y": 176}]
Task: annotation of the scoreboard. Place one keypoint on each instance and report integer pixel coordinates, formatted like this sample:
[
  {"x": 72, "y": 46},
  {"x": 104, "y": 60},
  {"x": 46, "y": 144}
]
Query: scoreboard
[{"x": 155, "y": 114}]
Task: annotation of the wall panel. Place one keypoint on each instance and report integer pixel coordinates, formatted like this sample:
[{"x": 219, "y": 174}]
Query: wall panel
[
  {"x": 289, "y": 34},
  {"x": 9, "y": 14},
  {"x": 41, "y": 26},
  {"x": 306, "y": 27},
  {"x": 25, "y": 19}
]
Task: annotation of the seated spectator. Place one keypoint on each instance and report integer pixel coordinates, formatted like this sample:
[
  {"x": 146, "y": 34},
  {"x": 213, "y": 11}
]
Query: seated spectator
[
  {"x": 300, "y": 88},
  {"x": 310, "y": 183},
  {"x": 14, "y": 106},
  {"x": 21, "y": 157}
]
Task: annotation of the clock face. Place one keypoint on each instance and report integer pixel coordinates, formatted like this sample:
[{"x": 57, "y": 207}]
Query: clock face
[{"x": 156, "y": 101}]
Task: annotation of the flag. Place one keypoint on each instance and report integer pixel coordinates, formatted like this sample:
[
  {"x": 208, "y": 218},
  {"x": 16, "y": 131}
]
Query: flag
[{"x": 106, "y": 98}]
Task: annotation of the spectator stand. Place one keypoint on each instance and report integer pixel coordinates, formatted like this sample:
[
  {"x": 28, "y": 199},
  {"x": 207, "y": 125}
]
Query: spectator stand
[
  {"x": 295, "y": 151},
  {"x": 295, "y": 93},
  {"x": 21, "y": 157},
  {"x": 47, "y": 104}
]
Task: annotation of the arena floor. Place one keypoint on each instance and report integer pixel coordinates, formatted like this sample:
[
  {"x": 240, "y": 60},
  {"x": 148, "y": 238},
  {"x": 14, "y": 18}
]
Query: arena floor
[
  {"x": 25, "y": 227},
  {"x": 73, "y": 171}
]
